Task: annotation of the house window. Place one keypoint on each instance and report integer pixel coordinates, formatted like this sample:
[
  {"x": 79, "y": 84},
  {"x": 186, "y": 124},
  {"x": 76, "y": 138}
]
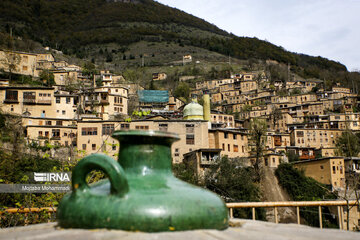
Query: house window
[
  {"x": 334, "y": 169},
  {"x": 40, "y": 133},
  {"x": 107, "y": 129},
  {"x": 163, "y": 127},
  {"x": 114, "y": 147},
  {"x": 223, "y": 147},
  {"x": 190, "y": 128},
  {"x": 225, "y": 135},
  {"x": 29, "y": 97},
  {"x": 125, "y": 126},
  {"x": 242, "y": 148},
  {"x": 93, "y": 146},
  {"x": 11, "y": 95},
  {"x": 234, "y": 136},
  {"x": 48, "y": 123},
  {"x": 56, "y": 133},
  {"x": 58, "y": 100},
  {"x": 59, "y": 123},
  {"x": 67, "y": 100},
  {"x": 229, "y": 147},
  {"x": 142, "y": 127},
  {"x": 63, "y": 112},
  {"x": 46, "y": 134},
  {"x": 190, "y": 139},
  {"x": 236, "y": 148},
  {"x": 321, "y": 166},
  {"x": 24, "y": 68},
  {"x": 89, "y": 131},
  {"x": 84, "y": 147}
]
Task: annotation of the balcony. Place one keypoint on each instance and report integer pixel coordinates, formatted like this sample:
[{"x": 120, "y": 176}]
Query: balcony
[
  {"x": 43, "y": 137},
  {"x": 29, "y": 101},
  {"x": 104, "y": 102},
  {"x": 10, "y": 100},
  {"x": 44, "y": 101},
  {"x": 92, "y": 102}
]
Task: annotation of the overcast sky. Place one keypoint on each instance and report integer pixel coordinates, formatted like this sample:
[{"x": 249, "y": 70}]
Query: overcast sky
[{"x": 327, "y": 28}]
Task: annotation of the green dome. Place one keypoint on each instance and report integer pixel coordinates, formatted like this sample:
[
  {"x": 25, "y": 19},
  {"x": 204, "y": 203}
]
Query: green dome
[{"x": 192, "y": 110}]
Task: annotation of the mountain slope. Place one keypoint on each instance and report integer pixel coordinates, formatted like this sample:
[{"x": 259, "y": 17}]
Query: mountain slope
[{"x": 75, "y": 26}]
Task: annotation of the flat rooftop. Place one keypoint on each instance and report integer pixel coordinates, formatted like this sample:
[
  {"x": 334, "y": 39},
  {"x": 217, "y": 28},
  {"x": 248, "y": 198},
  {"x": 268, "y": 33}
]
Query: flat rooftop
[{"x": 240, "y": 230}]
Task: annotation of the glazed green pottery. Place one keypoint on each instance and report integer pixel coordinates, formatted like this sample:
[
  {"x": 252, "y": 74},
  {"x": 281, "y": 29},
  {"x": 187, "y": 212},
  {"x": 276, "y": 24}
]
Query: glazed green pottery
[{"x": 141, "y": 193}]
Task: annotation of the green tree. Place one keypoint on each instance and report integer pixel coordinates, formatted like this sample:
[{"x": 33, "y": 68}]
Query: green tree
[
  {"x": 302, "y": 188},
  {"x": 47, "y": 77},
  {"x": 89, "y": 69},
  {"x": 234, "y": 183},
  {"x": 348, "y": 144},
  {"x": 182, "y": 91},
  {"x": 185, "y": 172}
]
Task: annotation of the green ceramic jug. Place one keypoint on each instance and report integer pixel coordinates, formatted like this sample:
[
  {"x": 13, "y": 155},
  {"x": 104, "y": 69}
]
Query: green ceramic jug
[{"x": 141, "y": 193}]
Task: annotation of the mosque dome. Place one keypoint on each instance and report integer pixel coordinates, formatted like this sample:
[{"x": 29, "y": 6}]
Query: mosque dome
[{"x": 193, "y": 111}]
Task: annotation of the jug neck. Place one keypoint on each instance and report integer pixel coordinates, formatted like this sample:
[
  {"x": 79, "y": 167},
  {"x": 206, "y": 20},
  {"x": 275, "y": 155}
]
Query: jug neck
[
  {"x": 145, "y": 159},
  {"x": 145, "y": 152}
]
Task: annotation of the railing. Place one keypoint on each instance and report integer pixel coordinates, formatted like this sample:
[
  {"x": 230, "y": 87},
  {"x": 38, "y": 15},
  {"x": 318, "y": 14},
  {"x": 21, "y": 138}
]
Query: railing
[
  {"x": 50, "y": 211},
  {"x": 275, "y": 205},
  {"x": 12, "y": 217}
]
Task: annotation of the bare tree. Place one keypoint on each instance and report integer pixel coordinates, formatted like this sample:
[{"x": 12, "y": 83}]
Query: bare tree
[{"x": 257, "y": 139}]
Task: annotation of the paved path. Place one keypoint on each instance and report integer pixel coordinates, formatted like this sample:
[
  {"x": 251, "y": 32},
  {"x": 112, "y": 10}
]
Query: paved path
[{"x": 240, "y": 230}]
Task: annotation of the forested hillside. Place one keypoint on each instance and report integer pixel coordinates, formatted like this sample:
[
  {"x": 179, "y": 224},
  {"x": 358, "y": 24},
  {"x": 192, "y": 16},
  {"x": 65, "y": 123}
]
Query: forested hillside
[{"x": 78, "y": 26}]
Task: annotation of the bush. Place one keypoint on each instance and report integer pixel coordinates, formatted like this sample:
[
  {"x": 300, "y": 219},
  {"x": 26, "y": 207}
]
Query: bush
[{"x": 302, "y": 188}]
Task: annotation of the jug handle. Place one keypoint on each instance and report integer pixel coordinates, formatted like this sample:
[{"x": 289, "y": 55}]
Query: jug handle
[{"x": 118, "y": 182}]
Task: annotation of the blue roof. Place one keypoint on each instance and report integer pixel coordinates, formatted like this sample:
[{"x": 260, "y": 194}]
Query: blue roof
[{"x": 153, "y": 96}]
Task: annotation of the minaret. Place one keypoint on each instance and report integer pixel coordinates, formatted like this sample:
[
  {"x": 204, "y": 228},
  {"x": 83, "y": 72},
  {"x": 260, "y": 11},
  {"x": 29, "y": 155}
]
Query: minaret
[
  {"x": 206, "y": 99},
  {"x": 207, "y": 117}
]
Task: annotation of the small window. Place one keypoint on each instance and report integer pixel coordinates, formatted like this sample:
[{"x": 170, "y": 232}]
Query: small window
[
  {"x": 108, "y": 129},
  {"x": 190, "y": 139},
  {"x": 225, "y": 135},
  {"x": 93, "y": 146},
  {"x": 84, "y": 147},
  {"x": 236, "y": 148},
  {"x": 63, "y": 112},
  {"x": 163, "y": 127},
  {"x": 58, "y": 100}
]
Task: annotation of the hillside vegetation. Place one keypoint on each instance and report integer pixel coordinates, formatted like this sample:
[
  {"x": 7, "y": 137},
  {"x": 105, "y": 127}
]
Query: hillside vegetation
[{"x": 79, "y": 27}]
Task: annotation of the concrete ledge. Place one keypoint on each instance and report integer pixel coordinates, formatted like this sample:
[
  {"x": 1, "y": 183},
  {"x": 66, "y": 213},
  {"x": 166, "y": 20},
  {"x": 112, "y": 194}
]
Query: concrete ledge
[{"x": 240, "y": 229}]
